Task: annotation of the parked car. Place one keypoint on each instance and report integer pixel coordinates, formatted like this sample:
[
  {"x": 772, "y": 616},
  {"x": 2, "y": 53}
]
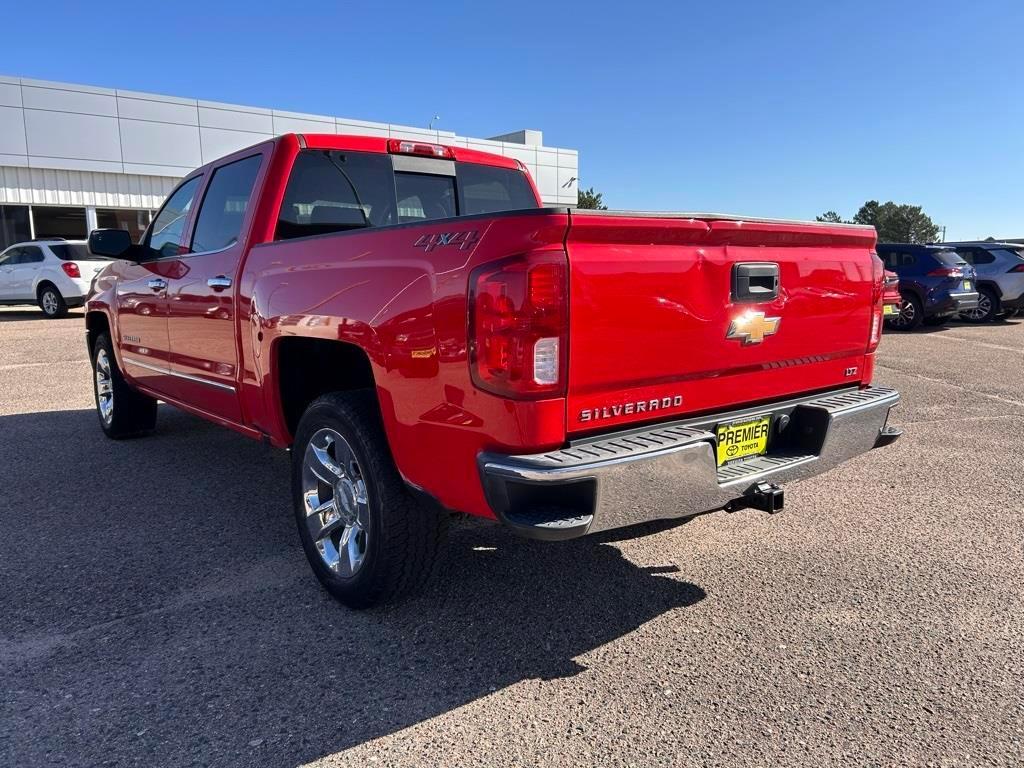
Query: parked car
[
  {"x": 401, "y": 314},
  {"x": 935, "y": 284},
  {"x": 55, "y": 274},
  {"x": 891, "y": 299},
  {"x": 1000, "y": 271}
]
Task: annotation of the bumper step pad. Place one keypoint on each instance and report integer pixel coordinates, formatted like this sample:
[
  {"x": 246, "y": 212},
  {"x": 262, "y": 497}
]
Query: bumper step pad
[{"x": 669, "y": 470}]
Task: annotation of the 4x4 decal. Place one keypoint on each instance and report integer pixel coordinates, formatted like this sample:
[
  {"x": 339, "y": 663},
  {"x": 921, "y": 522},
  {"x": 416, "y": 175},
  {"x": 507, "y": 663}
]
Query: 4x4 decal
[{"x": 464, "y": 240}]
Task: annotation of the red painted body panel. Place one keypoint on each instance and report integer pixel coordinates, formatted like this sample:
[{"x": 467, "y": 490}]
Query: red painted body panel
[
  {"x": 891, "y": 294},
  {"x": 649, "y": 308}
]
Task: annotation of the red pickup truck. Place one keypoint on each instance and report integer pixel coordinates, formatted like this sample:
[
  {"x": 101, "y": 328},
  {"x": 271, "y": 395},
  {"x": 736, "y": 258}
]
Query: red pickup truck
[{"x": 427, "y": 338}]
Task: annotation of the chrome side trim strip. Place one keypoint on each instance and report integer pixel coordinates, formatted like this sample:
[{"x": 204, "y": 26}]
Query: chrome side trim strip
[{"x": 178, "y": 374}]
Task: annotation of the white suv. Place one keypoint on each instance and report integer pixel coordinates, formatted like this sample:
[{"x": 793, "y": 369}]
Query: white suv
[{"x": 55, "y": 274}]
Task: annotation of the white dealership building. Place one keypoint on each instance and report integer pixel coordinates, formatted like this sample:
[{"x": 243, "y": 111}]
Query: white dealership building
[{"x": 76, "y": 157}]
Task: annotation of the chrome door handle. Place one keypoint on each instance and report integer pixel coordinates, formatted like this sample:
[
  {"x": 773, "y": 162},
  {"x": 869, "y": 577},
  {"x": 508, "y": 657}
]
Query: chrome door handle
[
  {"x": 157, "y": 284},
  {"x": 219, "y": 283}
]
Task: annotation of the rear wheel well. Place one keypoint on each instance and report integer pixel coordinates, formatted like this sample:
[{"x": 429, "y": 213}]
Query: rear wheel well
[
  {"x": 95, "y": 324},
  {"x": 992, "y": 286},
  {"x": 45, "y": 284},
  {"x": 309, "y": 368}
]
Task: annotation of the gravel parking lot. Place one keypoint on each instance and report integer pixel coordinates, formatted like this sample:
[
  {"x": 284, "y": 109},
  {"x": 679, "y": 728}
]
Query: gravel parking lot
[{"x": 158, "y": 610}]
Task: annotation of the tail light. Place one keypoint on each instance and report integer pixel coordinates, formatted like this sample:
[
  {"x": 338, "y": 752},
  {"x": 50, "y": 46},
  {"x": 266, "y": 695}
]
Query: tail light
[
  {"x": 71, "y": 269},
  {"x": 956, "y": 272},
  {"x": 877, "y": 290},
  {"x": 1018, "y": 268},
  {"x": 403, "y": 147},
  {"x": 519, "y": 324}
]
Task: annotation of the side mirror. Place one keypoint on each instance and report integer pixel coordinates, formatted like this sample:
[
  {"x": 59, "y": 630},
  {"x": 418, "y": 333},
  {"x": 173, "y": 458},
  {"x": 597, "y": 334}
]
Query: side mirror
[{"x": 112, "y": 243}]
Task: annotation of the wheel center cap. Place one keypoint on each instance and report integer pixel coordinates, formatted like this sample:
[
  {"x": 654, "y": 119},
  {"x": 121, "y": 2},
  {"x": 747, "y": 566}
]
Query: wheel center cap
[{"x": 345, "y": 500}]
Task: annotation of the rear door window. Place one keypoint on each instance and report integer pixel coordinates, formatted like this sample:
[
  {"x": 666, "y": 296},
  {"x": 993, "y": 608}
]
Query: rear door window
[
  {"x": 334, "y": 191},
  {"x": 219, "y": 224},
  {"x": 31, "y": 254}
]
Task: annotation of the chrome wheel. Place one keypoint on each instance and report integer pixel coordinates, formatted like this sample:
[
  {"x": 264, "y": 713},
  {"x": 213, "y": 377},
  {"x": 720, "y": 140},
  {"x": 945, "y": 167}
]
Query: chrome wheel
[
  {"x": 104, "y": 387},
  {"x": 50, "y": 305},
  {"x": 336, "y": 504},
  {"x": 907, "y": 314},
  {"x": 982, "y": 311}
]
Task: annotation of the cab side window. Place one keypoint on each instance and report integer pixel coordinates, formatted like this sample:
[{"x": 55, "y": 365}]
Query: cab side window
[
  {"x": 31, "y": 254},
  {"x": 222, "y": 212},
  {"x": 335, "y": 191},
  {"x": 10, "y": 258},
  {"x": 164, "y": 237}
]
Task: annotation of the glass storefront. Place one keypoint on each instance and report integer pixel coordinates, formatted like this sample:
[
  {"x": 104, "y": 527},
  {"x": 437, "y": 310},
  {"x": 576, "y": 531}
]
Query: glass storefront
[
  {"x": 19, "y": 223},
  {"x": 53, "y": 221},
  {"x": 134, "y": 221},
  {"x": 14, "y": 225}
]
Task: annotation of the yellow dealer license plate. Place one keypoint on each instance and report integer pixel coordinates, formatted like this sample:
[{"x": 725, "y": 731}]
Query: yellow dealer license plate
[
  {"x": 890, "y": 309},
  {"x": 967, "y": 285},
  {"x": 742, "y": 439}
]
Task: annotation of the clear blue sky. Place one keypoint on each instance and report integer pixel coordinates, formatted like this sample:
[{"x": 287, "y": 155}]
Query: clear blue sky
[{"x": 762, "y": 108}]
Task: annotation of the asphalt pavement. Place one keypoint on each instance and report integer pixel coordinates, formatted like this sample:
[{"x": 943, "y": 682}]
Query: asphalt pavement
[{"x": 157, "y": 609}]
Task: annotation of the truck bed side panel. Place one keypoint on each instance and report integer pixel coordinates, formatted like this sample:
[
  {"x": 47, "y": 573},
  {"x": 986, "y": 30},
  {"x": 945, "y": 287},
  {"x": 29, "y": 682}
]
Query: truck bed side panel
[{"x": 405, "y": 305}]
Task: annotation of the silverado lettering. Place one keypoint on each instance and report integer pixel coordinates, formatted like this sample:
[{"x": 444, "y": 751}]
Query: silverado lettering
[
  {"x": 627, "y": 409},
  {"x": 278, "y": 295}
]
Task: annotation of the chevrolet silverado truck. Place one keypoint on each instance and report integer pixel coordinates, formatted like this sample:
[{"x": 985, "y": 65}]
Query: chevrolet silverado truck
[{"x": 426, "y": 338}]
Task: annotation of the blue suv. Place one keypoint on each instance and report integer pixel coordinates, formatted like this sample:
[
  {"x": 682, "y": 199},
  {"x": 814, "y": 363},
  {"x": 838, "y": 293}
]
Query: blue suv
[{"x": 935, "y": 283}]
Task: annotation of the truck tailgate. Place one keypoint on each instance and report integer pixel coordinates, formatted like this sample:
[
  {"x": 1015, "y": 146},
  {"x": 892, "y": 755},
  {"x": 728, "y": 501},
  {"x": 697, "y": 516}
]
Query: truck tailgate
[{"x": 652, "y": 310}]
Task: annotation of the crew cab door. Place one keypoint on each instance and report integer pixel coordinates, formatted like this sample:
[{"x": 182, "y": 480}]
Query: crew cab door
[
  {"x": 141, "y": 292},
  {"x": 202, "y": 301}
]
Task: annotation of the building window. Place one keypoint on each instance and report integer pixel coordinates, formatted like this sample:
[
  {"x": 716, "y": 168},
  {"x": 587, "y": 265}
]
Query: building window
[
  {"x": 124, "y": 218},
  {"x": 14, "y": 226},
  {"x": 51, "y": 221}
]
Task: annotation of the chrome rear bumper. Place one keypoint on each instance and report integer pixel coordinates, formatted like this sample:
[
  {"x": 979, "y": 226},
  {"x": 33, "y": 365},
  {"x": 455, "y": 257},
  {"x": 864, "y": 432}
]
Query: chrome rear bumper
[{"x": 669, "y": 470}]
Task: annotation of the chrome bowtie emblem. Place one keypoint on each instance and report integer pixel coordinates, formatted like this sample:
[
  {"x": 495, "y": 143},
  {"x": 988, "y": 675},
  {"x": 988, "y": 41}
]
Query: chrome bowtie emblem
[{"x": 752, "y": 327}]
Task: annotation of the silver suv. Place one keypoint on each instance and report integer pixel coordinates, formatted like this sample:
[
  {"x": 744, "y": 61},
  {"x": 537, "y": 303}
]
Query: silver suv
[{"x": 1000, "y": 269}]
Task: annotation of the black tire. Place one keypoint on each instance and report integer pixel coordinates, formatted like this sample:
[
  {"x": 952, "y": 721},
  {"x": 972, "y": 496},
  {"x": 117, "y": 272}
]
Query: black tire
[
  {"x": 989, "y": 307},
  {"x": 51, "y": 302},
  {"x": 911, "y": 313},
  {"x": 402, "y": 539},
  {"x": 131, "y": 413}
]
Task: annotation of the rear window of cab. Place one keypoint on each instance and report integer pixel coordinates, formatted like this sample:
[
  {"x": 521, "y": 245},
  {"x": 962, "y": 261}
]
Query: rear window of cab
[{"x": 336, "y": 191}]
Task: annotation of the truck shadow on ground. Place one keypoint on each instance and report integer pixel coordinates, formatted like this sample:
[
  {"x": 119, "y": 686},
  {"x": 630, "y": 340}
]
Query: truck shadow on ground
[{"x": 158, "y": 608}]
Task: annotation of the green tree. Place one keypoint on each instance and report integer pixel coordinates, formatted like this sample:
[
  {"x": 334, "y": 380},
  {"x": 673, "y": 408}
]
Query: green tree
[
  {"x": 898, "y": 223},
  {"x": 894, "y": 222},
  {"x": 868, "y": 214},
  {"x": 588, "y": 198}
]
